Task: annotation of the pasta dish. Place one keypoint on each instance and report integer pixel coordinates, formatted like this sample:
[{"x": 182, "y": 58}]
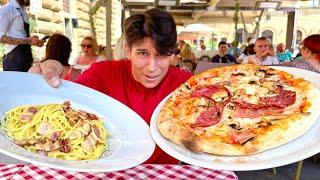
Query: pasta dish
[{"x": 57, "y": 131}]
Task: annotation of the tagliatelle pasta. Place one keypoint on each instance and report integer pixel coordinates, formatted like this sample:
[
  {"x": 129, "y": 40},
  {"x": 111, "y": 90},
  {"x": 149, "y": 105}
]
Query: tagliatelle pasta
[{"x": 57, "y": 131}]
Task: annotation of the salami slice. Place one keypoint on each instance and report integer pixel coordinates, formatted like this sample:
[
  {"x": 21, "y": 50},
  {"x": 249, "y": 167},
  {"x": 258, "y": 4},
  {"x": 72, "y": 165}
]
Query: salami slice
[{"x": 210, "y": 117}]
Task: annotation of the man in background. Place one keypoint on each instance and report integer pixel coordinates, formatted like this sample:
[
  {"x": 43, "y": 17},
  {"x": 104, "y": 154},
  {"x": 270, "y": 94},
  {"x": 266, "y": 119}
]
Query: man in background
[
  {"x": 14, "y": 33},
  {"x": 263, "y": 54},
  {"x": 223, "y": 57}
]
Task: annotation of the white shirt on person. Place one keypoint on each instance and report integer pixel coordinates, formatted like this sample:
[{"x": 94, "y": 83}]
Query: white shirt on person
[
  {"x": 11, "y": 23},
  {"x": 84, "y": 67},
  {"x": 241, "y": 58},
  {"x": 269, "y": 60}
]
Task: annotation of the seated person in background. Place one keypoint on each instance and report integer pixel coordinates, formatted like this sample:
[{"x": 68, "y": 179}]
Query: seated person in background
[
  {"x": 118, "y": 51},
  {"x": 310, "y": 52},
  {"x": 203, "y": 47},
  {"x": 263, "y": 55},
  {"x": 175, "y": 61},
  {"x": 102, "y": 51},
  {"x": 247, "y": 52},
  {"x": 186, "y": 53},
  {"x": 181, "y": 44},
  {"x": 233, "y": 50},
  {"x": 145, "y": 78},
  {"x": 55, "y": 52},
  {"x": 89, "y": 54},
  {"x": 223, "y": 57},
  {"x": 283, "y": 55}
]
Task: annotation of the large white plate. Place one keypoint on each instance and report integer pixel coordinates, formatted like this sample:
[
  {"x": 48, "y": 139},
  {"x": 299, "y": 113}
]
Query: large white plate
[
  {"x": 131, "y": 143},
  {"x": 301, "y": 148}
]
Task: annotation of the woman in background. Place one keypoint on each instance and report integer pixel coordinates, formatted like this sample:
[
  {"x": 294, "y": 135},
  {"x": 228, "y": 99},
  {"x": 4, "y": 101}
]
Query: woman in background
[
  {"x": 249, "y": 50},
  {"x": 186, "y": 53},
  {"x": 89, "y": 54},
  {"x": 310, "y": 51},
  {"x": 55, "y": 52}
]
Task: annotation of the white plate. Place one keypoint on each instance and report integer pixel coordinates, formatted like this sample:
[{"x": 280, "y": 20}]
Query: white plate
[
  {"x": 131, "y": 143},
  {"x": 301, "y": 148}
]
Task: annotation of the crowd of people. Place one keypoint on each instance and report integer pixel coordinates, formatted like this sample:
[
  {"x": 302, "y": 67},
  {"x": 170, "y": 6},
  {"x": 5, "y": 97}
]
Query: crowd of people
[
  {"x": 151, "y": 56},
  {"x": 259, "y": 51}
]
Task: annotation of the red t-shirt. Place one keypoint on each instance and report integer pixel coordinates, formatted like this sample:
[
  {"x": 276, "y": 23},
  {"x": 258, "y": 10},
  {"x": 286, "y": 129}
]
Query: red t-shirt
[{"x": 115, "y": 79}]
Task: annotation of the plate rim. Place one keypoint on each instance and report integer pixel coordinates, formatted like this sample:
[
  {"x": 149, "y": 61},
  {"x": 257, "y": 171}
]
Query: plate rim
[{"x": 65, "y": 85}]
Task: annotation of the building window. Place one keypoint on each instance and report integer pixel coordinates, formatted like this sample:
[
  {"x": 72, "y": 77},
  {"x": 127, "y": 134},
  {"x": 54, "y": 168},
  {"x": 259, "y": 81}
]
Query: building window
[
  {"x": 241, "y": 36},
  {"x": 66, "y": 6},
  {"x": 299, "y": 37},
  {"x": 268, "y": 34}
]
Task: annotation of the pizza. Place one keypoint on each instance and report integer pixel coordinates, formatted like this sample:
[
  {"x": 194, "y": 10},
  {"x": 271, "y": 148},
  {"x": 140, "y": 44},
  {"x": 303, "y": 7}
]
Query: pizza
[{"x": 239, "y": 110}]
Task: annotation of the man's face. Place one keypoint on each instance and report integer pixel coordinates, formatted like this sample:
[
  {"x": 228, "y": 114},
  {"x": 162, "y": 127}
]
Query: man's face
[
  {"x": 223, "y": 48},
  {"x": 261, "y": 46},
  {"x": 148, "y": 66}
]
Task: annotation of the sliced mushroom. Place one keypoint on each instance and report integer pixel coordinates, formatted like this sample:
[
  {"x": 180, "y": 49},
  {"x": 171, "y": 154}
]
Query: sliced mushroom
[
  {"x": 80, "y": 132},
  {"x": 43, "y": 128},
  {"x": 235, "y": 125}
]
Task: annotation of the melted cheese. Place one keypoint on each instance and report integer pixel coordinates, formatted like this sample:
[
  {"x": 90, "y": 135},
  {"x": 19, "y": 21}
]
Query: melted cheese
[
  {"x": 251, "y": 90},
  {"x": 219, "y": 96},
  {"x": 200, "y": 102},
  {"x": 251, "y": 99}
]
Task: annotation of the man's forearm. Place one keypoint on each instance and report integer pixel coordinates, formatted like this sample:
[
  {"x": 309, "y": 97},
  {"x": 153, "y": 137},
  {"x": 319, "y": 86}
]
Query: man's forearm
[{"x": 14, "y": 41}]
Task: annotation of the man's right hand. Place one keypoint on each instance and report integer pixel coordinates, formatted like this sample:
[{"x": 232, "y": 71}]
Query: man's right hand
[
  {"x": 51, "y": 71},
  {"x": 34, "y": 40}
]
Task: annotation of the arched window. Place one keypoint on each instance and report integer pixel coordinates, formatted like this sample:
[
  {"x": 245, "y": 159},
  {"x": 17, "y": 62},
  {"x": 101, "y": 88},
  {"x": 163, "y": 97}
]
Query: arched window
[
  {"x": 299, "y": 37},
  {"x": 268, "y": 34}
]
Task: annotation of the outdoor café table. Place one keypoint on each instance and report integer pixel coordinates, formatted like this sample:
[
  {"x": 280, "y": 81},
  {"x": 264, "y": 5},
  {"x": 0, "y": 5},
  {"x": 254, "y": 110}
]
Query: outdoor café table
[{"x": 143, "y": 171}]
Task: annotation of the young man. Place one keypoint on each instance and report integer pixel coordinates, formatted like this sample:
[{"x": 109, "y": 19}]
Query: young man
[
  {"x": 223, "y": 57},
  {"x": 14, "y": 33},
  {"x": 263, "y": 55},
  {"x": 142, "y": 80}
]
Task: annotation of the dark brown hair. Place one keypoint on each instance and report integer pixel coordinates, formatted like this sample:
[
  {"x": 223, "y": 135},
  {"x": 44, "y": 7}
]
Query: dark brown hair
[
  {"x": 221, "y": 43},
  {"x": 156, "y": 24},
  {"x": 58, "y": 48}
]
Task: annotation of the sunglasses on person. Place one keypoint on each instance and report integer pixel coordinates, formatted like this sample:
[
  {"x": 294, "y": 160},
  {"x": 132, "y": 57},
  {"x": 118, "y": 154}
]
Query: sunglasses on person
[{"x": 86, "y": 45}]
